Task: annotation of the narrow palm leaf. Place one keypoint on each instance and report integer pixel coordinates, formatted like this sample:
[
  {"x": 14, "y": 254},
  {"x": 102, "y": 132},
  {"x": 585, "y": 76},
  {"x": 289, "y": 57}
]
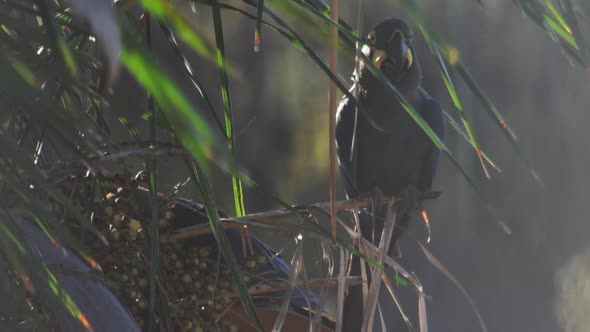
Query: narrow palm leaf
[
  {"x": 200, "y": 179},
  {"x": 225, "y": 92}
]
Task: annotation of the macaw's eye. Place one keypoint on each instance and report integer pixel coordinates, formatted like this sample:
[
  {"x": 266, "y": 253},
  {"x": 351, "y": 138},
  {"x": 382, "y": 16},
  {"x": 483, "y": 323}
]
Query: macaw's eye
[{"x": 372, "y": 37}]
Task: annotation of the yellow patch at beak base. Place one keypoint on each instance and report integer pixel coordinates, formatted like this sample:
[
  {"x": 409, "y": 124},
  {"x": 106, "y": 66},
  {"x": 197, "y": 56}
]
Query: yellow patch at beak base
[
  {"x": 378, "y": 57},
  {"x": 409, "y": 58}
]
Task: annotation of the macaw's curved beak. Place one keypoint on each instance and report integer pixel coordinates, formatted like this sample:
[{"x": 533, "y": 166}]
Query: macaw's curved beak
[
  {"x": 397, "y": 50},
  {"x": 378, "y": 57},
  {"x": 406, "y": 56}
]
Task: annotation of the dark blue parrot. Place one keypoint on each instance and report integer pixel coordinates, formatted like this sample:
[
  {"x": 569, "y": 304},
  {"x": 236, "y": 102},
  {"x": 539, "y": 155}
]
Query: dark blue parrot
[{"x": 385, "y": 151}]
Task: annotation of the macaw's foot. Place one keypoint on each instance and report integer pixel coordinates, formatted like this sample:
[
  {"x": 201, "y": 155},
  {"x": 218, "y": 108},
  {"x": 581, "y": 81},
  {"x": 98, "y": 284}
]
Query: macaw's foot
[
  {"x": 410, "y": 200},
  {"x": 371, "y": 219},
  {"x": 376, "y": 199}
]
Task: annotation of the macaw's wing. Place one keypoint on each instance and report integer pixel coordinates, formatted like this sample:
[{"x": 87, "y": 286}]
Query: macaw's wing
[{"x": 433, "y": 115}]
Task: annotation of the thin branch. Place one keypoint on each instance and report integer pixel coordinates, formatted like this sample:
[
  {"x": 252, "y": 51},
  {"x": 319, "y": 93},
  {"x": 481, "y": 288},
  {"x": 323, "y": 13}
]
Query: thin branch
[
  {"x": 274, "y": 216},
  {"x": 140, "y": 152},
  {"x": 334, "y": 4},
  {"x": 371, "y": 305},
  {"x": 314, "y": 283}
]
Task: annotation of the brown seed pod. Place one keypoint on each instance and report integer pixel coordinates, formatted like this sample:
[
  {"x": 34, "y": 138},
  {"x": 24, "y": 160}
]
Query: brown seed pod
[
  {"x": 134, "y": 224},
  {"x": 163, "y": 223},
  {"x": 132, "y": 293},
  {"x": 109, "y": 211},
  {"x": 117, "y": 219},
  {"x": 204, "y": 252},
  {"x": 211, "y": 288},
  {"x": 142, "y": 283},
  {"x": 169, "y": 215},
  {"x": 251, "y": 263},
  {"x": 141, "y": 304},
  {"x": 187, "y": 278}
]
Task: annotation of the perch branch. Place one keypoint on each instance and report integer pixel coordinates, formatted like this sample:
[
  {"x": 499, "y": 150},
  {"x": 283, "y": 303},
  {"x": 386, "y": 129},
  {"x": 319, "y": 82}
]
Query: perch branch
[
  {"x": 333, "y": 104},
  {"x": 278, "y": 215},
  {"x": 314, "y": 283}
]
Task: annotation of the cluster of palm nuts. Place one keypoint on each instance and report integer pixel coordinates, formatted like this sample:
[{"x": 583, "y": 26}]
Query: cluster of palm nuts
[{"x": 195, "y": 284}]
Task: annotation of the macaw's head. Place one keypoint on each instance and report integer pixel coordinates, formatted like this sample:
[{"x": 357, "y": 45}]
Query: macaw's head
[{"x": 392, "y": 52}]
